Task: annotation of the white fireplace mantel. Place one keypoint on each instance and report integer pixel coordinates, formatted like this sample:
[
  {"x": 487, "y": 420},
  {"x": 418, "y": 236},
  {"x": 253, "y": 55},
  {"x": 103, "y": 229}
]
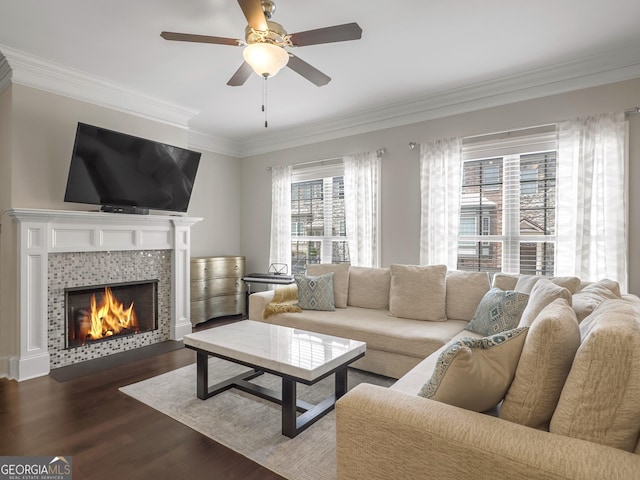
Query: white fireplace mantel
[{"x": 40, "y": 232}]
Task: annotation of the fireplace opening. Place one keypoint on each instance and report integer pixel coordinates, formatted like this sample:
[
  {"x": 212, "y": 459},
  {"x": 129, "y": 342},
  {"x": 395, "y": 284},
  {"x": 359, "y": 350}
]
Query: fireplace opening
[{"x": 103, "y": 312}]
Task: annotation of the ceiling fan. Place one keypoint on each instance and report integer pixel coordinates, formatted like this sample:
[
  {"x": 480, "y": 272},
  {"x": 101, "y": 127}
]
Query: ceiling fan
[{"x": 265, "y": 43}]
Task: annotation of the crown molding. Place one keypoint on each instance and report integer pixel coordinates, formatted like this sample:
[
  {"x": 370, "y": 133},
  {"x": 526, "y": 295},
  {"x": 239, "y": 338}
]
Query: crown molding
[
  {"x": 599, "y": 69},
  {"x": 212, "y": 143},
  {"x": 5, "y": 73},
  {"x": 595, "y": 70},
  {"x": 35, "y": 72}
]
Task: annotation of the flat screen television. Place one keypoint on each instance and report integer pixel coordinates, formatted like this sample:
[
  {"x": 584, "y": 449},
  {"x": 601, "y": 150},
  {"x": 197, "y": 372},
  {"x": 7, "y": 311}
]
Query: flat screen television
[{"x": 128, "y": 174}]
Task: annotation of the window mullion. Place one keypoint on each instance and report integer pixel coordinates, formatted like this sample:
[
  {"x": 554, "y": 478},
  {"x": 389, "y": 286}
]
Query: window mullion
[
  {"x": 327, "y": 191},
  {"x": 511, "y": 223}
]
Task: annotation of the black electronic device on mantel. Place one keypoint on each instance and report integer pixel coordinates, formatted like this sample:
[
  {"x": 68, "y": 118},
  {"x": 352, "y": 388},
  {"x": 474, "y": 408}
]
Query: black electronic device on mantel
[{"x": 128, "y": 174}]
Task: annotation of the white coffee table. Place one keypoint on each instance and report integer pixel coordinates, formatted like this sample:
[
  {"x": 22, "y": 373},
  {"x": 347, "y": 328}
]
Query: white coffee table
[{"x": 292, "y": 354}]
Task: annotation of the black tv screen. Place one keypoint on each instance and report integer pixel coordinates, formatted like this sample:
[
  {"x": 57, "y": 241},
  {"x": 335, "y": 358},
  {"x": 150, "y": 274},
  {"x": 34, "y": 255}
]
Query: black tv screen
[{"x": 114, "y": 169}]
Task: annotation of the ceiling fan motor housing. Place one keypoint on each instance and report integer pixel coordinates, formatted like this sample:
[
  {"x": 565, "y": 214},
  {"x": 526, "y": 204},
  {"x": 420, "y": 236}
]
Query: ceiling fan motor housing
[{"x": 276, "y": 35}]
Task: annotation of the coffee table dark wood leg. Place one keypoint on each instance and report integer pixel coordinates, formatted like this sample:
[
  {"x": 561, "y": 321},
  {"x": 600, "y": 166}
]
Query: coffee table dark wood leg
[
  {"x": 202, "y": 380},
  {"x": 341, "y": 382},
  {"x": 289, "y": 420}
]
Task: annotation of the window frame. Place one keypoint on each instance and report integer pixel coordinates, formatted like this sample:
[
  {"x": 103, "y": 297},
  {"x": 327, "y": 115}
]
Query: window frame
[{"x": 509, "y": 147}]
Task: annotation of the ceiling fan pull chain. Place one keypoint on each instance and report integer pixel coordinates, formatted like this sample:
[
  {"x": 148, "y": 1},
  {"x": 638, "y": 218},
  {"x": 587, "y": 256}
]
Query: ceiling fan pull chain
[{"x": 264, "y": 102}]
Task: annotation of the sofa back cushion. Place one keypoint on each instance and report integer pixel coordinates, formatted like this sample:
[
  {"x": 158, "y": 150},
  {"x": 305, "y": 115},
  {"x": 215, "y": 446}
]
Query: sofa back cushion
[
  {"x": 369, "y": 287},
  {"x": 505, "y": 281},
  {"x": 526, "y": 283},
  {"x": 464, "y": 292},
  {"x": 543, "y": 293},
  {"x": 593, "y": 294},
  {"x": 340, "y": 279},
  {"x": 544, "y": 364},
  {"x": 418, "y": 292},
  {"x": 599, "y": 401}
]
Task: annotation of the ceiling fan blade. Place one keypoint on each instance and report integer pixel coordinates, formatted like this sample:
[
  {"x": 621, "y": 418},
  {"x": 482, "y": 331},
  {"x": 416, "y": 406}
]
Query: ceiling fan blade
[
  {"x": 241, "y": 75},
  {"x": 252, "y": 10},
  {"x": 312, "y": 74},
  {"x": 188, "y": 37},
  {"x": 337, "y": 33}
]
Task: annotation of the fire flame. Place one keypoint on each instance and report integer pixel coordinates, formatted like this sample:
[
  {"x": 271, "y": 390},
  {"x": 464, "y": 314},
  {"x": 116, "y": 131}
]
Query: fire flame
[{"x": 110, "y": 317}]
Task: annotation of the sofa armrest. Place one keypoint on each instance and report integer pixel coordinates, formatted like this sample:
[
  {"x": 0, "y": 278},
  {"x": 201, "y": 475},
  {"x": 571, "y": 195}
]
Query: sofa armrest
[
  {"x": 257, "y": 302},
  {"x": 383, "y": 433}
]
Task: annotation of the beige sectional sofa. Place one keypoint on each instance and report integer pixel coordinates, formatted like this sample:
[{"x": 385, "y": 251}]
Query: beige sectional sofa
[
  {"x": 572, "y": 407},
  {"x": 363, "y": 298}
]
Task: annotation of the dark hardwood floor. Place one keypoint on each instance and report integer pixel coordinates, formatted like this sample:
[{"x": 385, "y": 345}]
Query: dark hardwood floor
[{"x": 112, "y": 436}]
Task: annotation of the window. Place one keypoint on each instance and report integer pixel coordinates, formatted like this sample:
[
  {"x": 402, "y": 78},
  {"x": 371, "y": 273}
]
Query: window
[
  {"x": 318, "y": 231},
  {"x": 508, "y": 205}
]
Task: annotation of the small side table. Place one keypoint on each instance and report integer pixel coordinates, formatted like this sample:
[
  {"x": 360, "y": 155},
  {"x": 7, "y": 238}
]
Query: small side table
[{"x": 267, "y": 279}]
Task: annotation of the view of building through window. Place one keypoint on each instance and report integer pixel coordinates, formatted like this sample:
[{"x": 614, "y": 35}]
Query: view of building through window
[
  {"x": 507, "y": 214},
  {"x": 318, "y": 231}
]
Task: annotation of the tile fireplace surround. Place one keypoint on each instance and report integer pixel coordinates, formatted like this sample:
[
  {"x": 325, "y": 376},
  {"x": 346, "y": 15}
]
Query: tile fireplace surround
[{"x": 150, "y": 245}]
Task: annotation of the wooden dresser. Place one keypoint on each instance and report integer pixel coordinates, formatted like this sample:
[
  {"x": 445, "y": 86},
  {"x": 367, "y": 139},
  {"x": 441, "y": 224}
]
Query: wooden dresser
[{"x": 217, "y": 288}]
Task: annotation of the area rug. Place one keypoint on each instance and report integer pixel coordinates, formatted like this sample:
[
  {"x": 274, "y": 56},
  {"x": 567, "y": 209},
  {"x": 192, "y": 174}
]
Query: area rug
[{"x": 247, "y": 424}]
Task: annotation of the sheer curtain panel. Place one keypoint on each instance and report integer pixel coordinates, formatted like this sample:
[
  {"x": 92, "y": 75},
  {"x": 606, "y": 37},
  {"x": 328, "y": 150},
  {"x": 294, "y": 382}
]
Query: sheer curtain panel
[
  {"x": 281, "y": 215},
  {"x": 591, "y": 216},
  {"x": 440, "y": 181},
  {"x": 361, "y": 191}
]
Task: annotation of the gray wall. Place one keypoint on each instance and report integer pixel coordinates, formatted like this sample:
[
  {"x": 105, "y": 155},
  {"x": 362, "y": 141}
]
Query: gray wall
[{"x": 400, "y": 215}]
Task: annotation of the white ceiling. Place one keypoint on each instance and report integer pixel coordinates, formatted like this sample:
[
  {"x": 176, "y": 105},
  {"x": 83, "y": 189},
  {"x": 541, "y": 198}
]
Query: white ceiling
[{"x": 415, "y": 57}]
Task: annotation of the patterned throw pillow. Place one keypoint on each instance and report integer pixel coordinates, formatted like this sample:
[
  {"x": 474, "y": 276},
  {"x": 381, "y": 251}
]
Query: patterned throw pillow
[
  {"x": 499, "y": 310},
  {"x": 315, "y": 293},
  {"x": 475, "y": 373}
]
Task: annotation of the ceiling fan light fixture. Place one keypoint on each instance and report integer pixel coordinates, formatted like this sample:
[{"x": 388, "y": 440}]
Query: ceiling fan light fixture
[{"x": 266, "y": 59}]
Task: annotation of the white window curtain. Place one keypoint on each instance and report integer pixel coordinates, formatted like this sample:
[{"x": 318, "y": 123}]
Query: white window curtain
[
  {"x": 281, "y": 215},
  {"x": 361, "y": 191},
  {"x": 440, "y": 181},
  {"x": 592, "y": 229}
]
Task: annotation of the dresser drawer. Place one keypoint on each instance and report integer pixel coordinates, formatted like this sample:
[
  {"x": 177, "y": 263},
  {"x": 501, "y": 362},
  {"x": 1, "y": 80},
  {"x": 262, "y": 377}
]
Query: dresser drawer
[
  {"x": 214, "y": 287},
  {"x": 203, "y": 310},
  {"x": 213, "y": 267}
]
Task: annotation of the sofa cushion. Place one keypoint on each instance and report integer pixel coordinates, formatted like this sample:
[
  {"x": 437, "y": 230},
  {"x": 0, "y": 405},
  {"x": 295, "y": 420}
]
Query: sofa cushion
[
  {"x": 369, "y": 287},
  {"x": 464, "y": 292},
  {"x": 375, "y": 327},
  {"x": 315, "y": 293},
  {"x": 543, "y": 293},
  {"x": 475, "y": 373},
  {"x": 505, "y": 281},
  {"x": 599, "y": 400},
  {"x": 544, "y": 364},
  {"x": 586, "y": 300},
  {"x": 418, "y": 292},
  {"x": 526, "y": 283},
  {"x": 498, "y": 311},
  {"x": 340, "y": 279}
]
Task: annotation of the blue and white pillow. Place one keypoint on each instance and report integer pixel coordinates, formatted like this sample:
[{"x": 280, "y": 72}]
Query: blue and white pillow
[
  {"x": 498, "y": 311},
  {"x": 315, "y": 293}
]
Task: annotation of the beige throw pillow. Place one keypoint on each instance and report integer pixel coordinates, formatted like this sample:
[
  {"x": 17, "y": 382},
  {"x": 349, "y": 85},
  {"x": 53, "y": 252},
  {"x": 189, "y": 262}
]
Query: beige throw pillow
[
  {"x": 464, "y": 292},
  {"x": 369, "y": 287},
  {"x": 475, "y": 373},
  {"x": 418, "y": 292},
  {"x": 592, "y": 295},
  {"x": 526, "y": 283},
  {"x": 505, "y": 281},
  {"x": 543, "y": 293},
  {"x": 551, "y": 344},
  {"x": 340, "y": 279},
  {"x": 599, "y": 401}
]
